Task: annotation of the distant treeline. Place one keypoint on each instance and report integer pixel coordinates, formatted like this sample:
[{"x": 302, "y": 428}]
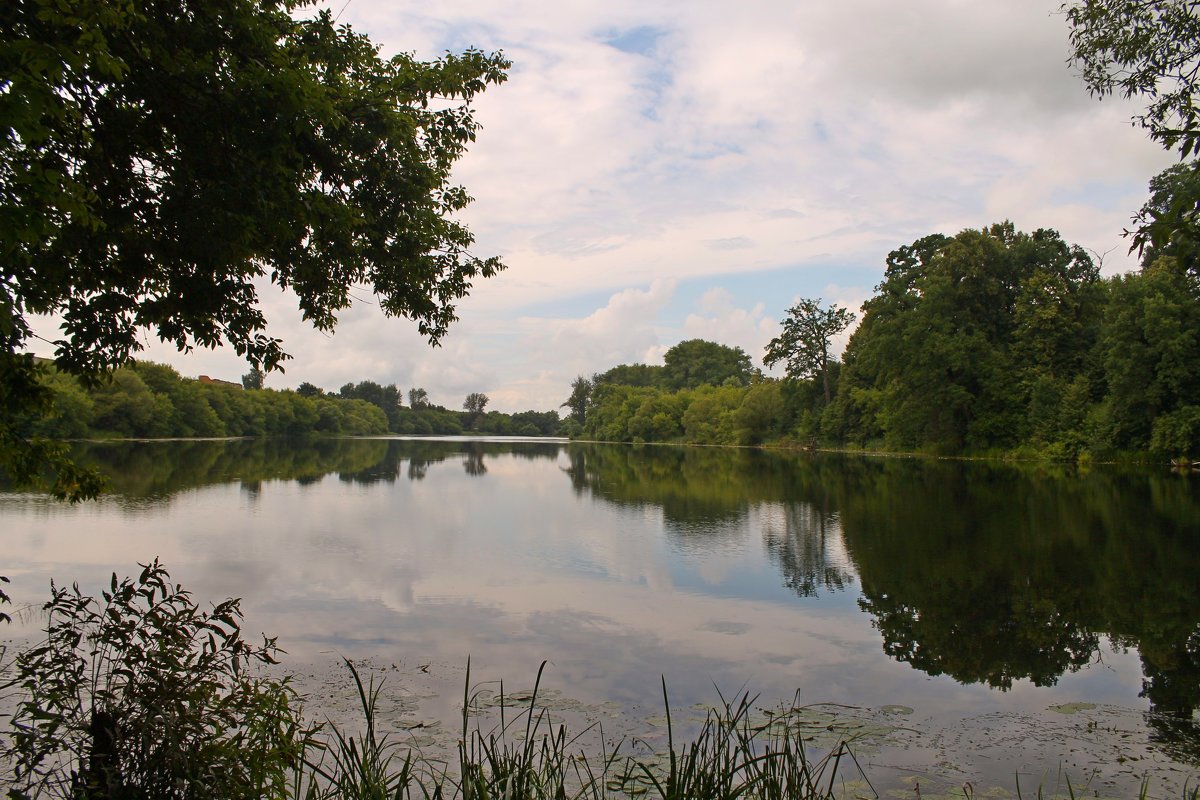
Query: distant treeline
[
  {"x": 149, "y": 400},
  {"x": 989, "y": 342}
]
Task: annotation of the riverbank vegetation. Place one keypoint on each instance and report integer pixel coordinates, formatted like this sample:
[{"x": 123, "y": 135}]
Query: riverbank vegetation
[
  {"x": 149, "y": 400},
  {"x": 992, "y": 341}
]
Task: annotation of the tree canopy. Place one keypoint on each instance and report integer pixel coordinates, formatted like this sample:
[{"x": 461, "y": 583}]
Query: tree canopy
[
  {"x": 696, "y": 362},
  {"x": 1167, "y": 224},
  {"x": 159, "y": 163},
  {"x": 475, "y": 403},
  {"x": 803, "y": 345},
  {"x": 959, "y": 333},
  {"x": 1148, "y": 48}
]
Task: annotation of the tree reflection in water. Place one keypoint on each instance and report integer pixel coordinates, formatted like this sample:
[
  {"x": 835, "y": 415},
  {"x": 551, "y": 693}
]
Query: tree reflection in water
[
  {"x": 801, "y": 546},
  {"x": 988, "y": 573}
]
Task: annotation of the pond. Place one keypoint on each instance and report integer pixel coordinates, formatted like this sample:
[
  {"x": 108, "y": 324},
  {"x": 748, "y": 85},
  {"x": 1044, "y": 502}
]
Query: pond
[{"x": 1007, "y": 626}]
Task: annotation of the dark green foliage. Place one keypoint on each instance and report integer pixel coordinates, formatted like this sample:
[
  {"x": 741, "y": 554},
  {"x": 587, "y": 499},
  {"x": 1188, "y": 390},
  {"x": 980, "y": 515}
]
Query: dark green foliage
[
  {"x": 156, "y": 160},
  {"x": 387, "y": 398},
  {"x": 613, "y": 409},
  {"x": 29, "y": 415},
  {"x": 151, "y": 400},
  {"x": 535, "y": 423},
  {"x": 688, "y": 365},
  {"x": 191, "y": 414},
  {"x": 1151, "y": 357},
  {"x": 253, "y": 379},
  {"x": 991, "y": 341},
  {"x": 1150, "y": 49},
  {"x": 418, "y": 397},
  {"x": 475, "y": 403},
  {"x": 1147, "y": 48},
  {"x": 1167, "y": 224},
  {"x": 72, "y": 411},
  {"x": 710, "y": 417},
  {"x": 804, "y": 344},
  {"x": 760, "y": 416},
  {"x": 580, "y": 399},
  {"x": 696, "y": 362},
  {"x": 141, "y": 694},
  {"x": 126, "y": 406},
  {"x": 631, "y": 375},
  {"x": 960, "y": 335},
  {"x": 429, "y": 419}
]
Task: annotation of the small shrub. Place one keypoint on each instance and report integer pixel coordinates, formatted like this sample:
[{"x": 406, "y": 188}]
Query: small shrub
[{"x": 143, "y": 695}]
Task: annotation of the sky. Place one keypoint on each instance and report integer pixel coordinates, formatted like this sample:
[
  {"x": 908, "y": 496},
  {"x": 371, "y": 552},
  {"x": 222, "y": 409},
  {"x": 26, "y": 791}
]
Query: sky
[{"x": 660, "y": 171}]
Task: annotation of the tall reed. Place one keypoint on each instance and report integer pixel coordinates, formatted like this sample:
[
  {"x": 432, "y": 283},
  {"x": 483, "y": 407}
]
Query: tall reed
[{"x": 527, "y": 757}]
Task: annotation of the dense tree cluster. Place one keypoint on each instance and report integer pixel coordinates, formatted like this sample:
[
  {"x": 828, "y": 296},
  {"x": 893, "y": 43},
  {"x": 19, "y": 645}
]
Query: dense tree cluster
[
  {"x": 991, "y": 340},
  {"x": 688, "y": 366},
  {"x": 972, "y": 343},
  {"x": 149, "y": 400},
  {"x": 438, "y": 420}
]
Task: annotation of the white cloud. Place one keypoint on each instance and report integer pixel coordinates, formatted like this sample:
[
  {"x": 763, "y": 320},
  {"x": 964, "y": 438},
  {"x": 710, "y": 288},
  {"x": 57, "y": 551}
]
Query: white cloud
[
  {"x": 719, "y": 320},
  {"x": 620, "y": 332},
  {"x": 650, "y": 145}
]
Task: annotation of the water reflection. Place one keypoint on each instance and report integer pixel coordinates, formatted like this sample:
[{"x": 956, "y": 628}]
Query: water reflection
[
  {"x": 987, "y": 573},
  {"x": 140, "y": 471},
  {"x": 993, "y": 575},
  {"x": 806, "y": 544}
]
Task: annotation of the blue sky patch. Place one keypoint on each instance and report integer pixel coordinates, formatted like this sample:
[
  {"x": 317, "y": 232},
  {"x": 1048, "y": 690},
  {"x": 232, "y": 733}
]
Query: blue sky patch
[{"x": 641, "y": 41}]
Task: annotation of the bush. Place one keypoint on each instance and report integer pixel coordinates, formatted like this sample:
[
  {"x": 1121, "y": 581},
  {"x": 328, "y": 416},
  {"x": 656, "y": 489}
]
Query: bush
[{"x": 143, "y": 695}]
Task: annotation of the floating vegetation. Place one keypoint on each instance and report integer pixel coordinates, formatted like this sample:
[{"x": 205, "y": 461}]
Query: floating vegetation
[{"x": 894, "y": 709}]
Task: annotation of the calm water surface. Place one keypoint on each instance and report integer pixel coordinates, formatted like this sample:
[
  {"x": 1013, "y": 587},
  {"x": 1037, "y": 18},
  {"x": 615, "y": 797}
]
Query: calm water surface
[{"x": 968, "y": 622}]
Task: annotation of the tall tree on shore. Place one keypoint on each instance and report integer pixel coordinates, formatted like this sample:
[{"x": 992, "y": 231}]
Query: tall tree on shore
[
  {"x": 962, "y": 333},
  {"x": 808, "y": 331},
  {"x": 475, "y": 403},
  {"x": 581, "y": 395},
  {"x": 253, "y": 379},
  {"x": 418, "y": 397}
]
